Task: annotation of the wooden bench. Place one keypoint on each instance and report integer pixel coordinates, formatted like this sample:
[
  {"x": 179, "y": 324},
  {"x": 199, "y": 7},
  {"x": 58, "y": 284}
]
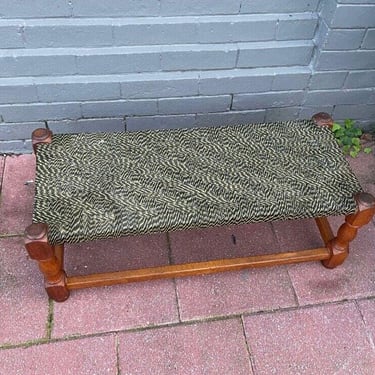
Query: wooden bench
[{"x": 97, "y": 186}]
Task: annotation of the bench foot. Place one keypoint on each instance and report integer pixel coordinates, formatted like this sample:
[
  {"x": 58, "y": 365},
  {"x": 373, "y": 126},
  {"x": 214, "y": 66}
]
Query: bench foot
[
  {"x": 36, "y": 243},
  {"x": 40, "y": 135},
  {"x": 339, "y": 245}
]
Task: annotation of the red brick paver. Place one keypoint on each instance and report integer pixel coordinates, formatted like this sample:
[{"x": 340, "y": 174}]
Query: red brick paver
[
  {"x": 2, "y": 163},
  {"x": 17, "y": 194},
  {"x": 234, "y": 293},
  {"x": 23, "y": 302},
  {"x": 355, "y": 278},
  {"x": 327, "y": 339},
  {"x": 88, "y": 356},
  {"x": 205, "y": 348},
  {"x": 116, "y": 308}
]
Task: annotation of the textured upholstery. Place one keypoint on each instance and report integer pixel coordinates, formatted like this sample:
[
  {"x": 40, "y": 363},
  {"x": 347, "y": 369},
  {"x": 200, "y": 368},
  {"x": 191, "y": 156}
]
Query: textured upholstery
[{"x": 92, "y": 186}]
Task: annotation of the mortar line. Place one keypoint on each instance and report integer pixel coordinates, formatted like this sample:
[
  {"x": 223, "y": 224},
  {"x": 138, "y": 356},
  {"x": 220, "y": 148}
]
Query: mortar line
[
  {"x": 170, "y": 260},
  {"x": 248, "y": 348},
  {"x": 368, "y": 334},
  {"x": 117, "y": 347},
  {"x": 50, "y": 319},
  {"x": 182, "y": 323}
]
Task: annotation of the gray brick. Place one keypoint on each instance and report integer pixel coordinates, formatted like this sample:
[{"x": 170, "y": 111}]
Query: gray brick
[
  {"x": 198, "y": 104},
  {"x": 17, "y": 93},
  {"x": 235, "y": 81},
  {"x": 11, "y": 36},
  {"x": 328, "y": 9},
  {"x": 115, "y": 8},
  {"x": 356, "y": 1},
  {"x": 24, "y": 65},
  {"x": 308, "y": 112},
  {"x": 40, "y": 112},
  {"x": 369, "y": 40},
  {"x": 294, "y": 28},
  {"x": 282, "y": 114},
  {"x": 342, "y": 60},
  {"x": 327, "y": 80},
  {"x": 291, "y": 81},
  {"x": 119, "y": 108},
  {"x": 110, "y": 61},
  {"x": 372, "y": 97},
  {"x": 354, "y": 112},
  {"x": 366, "y": 125},
  {"x": 230, "y": 118},
  {"x": 324, "y": 97},
  {"x": 34, "y": 9},
  {"x": 198, "y": 7},
  {"x": 274, "y": 54},
  {"x": 23, "y": 130},
  {"x": 278, "y": 6},
  {"x": 267, "y": 100},
  {"x": 321, "y": 33},
  {"x": 348, "y": 16},
  {"x": 239, "y": 29},
  {"x": 160, "y": 85},
  {"x": 67, "y": 92},
  {"x": 360, "y": 79},
  {"x": 151, "y": 32},
  {"x": 87, "y": 125},
  {"x": 15, "y": 147},
  {"x": 198, "y": 57},
  {"x": 341, "y": 39},
  {"x": 68, "y": 36},
  {"x": 160, "y": 122}
]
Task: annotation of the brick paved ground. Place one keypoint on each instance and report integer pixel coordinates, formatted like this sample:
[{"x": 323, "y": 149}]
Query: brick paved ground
[{"x": 299, "y": 319}]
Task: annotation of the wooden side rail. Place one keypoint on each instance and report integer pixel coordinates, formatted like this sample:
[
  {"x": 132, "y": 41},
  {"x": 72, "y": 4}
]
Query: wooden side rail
[{"x": 198, "y": 268}]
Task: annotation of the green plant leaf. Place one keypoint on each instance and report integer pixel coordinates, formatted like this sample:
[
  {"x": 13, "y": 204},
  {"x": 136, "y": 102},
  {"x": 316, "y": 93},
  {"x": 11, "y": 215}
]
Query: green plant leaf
[
  {"x": 346, "y": 140},
  {"x": 355, "y": 141},
  {"x": 346, "y": 149},
  {"x": 348, "y": 123},
  {"x": 336, "y": 127},
  {"x": 353, "y": 154},
  {"x": 367, "y": 150},
  {"x": 340, "y": 133}
]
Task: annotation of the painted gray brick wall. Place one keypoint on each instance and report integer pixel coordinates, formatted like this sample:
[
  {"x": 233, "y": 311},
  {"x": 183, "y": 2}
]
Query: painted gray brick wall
[{"x": 90, "y": 65}]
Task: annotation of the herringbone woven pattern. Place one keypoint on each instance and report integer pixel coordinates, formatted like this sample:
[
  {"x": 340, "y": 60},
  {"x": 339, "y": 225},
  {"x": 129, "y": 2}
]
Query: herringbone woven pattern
[{"x": 92, "y": 186}]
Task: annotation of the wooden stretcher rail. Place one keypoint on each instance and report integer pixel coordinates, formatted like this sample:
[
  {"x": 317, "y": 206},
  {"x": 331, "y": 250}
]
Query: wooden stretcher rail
[{"x": 198, "y": 268}]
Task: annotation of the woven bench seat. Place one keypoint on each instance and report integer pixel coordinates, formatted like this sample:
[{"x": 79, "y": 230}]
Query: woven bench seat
[
  {"x": 98, "y": 186},
  {"x": 95, "y": 186}
]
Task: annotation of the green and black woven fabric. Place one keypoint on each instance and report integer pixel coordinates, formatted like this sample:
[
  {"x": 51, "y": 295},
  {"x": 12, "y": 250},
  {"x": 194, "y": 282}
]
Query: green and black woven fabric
[{"x": 94, "y": 186}]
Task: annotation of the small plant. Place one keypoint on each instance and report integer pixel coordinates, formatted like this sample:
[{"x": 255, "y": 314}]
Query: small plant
[{"x": 349, "y": 138}]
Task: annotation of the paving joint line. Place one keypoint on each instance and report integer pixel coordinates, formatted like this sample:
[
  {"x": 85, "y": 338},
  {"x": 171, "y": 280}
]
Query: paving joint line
[
  {"x": 248, "y": 348},
  {"x": 365, "y": 326},
  {"x": 170, "y": 260},
  {"x": 177, "y": 324},
  {"x": 50, "y": 319},
  {"x": 117, "y": 346},
  {"x": 10, "y": 235}
]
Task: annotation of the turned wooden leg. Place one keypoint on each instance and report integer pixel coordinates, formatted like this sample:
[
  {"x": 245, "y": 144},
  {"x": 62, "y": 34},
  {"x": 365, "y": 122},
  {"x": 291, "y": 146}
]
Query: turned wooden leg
[
  {"x": 323, "y": 119},
  {"x": 339, "y": 246},
  {"x": 37, "y": 246},
  {"x": 40, "y": 135}
]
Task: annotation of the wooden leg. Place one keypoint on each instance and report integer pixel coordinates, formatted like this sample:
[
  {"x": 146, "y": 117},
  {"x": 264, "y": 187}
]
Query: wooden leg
[
  {"x": 339, "y": 245},
  {"x": 40, "y": 135},
  {"x": 37, "y": 246}
]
